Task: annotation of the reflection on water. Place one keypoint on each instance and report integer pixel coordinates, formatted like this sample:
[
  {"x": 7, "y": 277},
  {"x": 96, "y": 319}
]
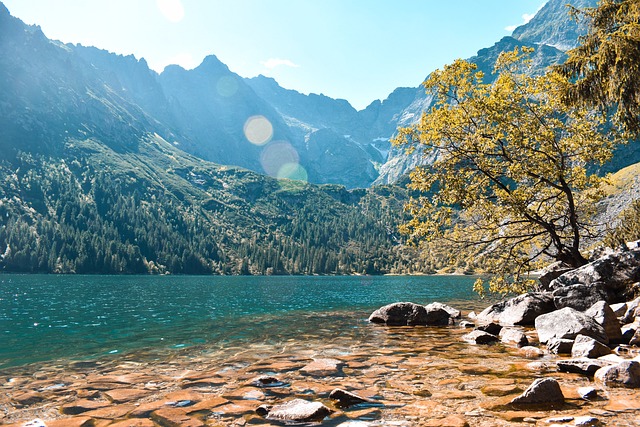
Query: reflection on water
[{"x": 53, "y": 317}]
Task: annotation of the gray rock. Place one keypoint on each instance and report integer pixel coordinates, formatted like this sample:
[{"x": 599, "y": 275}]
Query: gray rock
[
  {"x": 265, "y": 381},
  {"x": 453, "y": 313},
  {"x": 559, "y": 346},
  {"x": 615, "y": 271},
  {"x": 297, "y": 410},
  {"x": 625, "y": 374},
  {"x": 628, "y": 331},
  {"x": 587, "y": 421},
  {"x": 552, "y": 272},
  {"x": 513, "y": 336},
  {"x": 584, "y": 346},
  {"x": 568, "y": 323},
  {"x": 635, "y": 339},
  {"x": 605, "y": 317},
  {"x": 541, "y": 391},
  {"x": 480, "y": 337},
  {"x": 400, "y": 314},
  {"x": 437, "y": 316},
  {"x": 521, "y": 310},
  {"x": 346, "y": 398},
  {"x": 579, "y": 296},
  {"x": 619, "y": 309},
  {"x": 630, "y": 314},
  {"x": 582, "y": 366},
  {"x": 588, "y": 393},
  {"x": 490, "y": 328},
  {"x": 467, "y": 325}
]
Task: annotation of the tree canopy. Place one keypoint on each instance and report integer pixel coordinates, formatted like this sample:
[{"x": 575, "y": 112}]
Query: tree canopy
[
  {"x": 605, "y": 69},
  {"x": 510, "y": 172}
]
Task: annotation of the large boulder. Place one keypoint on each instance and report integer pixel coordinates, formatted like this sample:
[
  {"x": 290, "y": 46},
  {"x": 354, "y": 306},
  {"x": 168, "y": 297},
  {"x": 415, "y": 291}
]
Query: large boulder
[
  {"x": 521, "y": 310},
  {"x": 625, "y": 374},
  {"x": 541, "y": 391},
  {"x": 615, "y": 271},
  {"x": 400, "y": 314},
  {"x": 582, "y": 365},
  {"x": 453, "y": 313},
  {"x": 605, "y": 317},
  {"x": 513, "y": 336},
  {"x": 579, "y": 296},
  {"x": 568, "y": 323},
  {"x": 437, "y": 315},
  {"x": 552, "y": 272}
]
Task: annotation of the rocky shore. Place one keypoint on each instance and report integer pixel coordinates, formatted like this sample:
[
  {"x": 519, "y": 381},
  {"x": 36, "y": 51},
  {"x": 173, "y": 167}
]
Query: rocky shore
[{"x": 556, "y": 357}]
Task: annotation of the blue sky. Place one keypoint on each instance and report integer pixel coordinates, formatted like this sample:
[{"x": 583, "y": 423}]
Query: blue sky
[{"x": 359, "y": 50}]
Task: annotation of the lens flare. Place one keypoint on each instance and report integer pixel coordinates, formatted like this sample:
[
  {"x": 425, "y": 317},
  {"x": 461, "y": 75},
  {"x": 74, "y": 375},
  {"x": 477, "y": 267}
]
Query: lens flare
[
  {"x": 293, "y": 171},
  {"x": 276, "y": 155},
  {"x": 258, "y": 130},
  {"x": 227, "y": 86},
  {"x": 171, "y": 9}
]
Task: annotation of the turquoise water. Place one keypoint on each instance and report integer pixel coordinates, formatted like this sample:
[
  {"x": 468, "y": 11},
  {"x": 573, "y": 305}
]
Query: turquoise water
[{"x": 45, "y": 318}]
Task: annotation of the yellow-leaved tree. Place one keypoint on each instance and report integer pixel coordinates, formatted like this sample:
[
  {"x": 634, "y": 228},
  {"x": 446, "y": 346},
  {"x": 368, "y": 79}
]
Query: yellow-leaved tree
[{"x": 510, "y": 175}]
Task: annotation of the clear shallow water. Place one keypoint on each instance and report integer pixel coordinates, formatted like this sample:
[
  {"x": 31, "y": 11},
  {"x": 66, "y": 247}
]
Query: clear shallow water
[{"x": 44, "y": 318}]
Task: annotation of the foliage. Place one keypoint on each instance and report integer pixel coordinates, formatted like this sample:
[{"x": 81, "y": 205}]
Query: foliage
[
  {"x": 605, "y": 68},
  {"x": 158, "y": 210},
  {"x": 509, "y": 182}
]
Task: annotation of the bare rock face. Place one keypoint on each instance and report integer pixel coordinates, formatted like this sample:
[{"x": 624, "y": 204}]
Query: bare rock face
[
  {"x": 541, "y": 391},
  {"x": 513, "y": 336},
  {"x": 588, "y": 347},
  {"x": 579, "y": 296},
  {"x": 625, "y": 374},
  {"x": 568, "y": 323},
  {"x": 559, "y": 346},
  {"x": 521, "y": 310},
  {"x": 296, "y": 410},
  {"x": 400, "y": 314},
  {"x": 582, "y": 365},
  {"x": 453, "y": 312}
]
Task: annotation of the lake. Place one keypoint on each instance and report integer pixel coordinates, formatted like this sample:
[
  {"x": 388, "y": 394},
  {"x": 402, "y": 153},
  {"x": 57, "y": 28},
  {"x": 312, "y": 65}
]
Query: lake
[{"x": 49, "y": 317}]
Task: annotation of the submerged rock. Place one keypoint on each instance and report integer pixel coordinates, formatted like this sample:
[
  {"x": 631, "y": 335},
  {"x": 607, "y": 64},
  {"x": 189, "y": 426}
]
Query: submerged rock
[
  {"x": 296, "y": 410},
  {"x": 568, "y": 323},
  {"x": 541, "y": 391},
  {"x": 346, "y": 398},
  {"x": 323, "y": 368},
  {"x": 480, "y": 337}
]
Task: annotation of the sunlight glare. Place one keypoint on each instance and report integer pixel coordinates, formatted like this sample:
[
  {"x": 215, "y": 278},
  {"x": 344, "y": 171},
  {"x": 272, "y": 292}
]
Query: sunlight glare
[
  {"x": 227, "y": 86},
  {"x": 275, "y": 156}
]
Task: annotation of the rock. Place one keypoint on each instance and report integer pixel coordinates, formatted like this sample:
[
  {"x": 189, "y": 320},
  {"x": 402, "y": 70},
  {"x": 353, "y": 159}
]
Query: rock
[
  {"x": 35, "y": 423},
  {"x": 437, "y": 315},
  {"x": 323, "y": 368},
  {"x": 541, "y": 391},
  {"x": 513, "y": 336},
  {"x": 615, "y": 272},
  {"x": 400, "y": 314},
  {"x": 568, "y": 323},
  {"x": 552, "y": 272},
  {"x": 298, "y": 410},
  {"x": 453, "y": 313},
  {"x": 619, "y": 309},
  {"x": 123, "y": 395},
  {"x": 175, "y": 417},
  {"x": 587, "y": 421},
  {"x": 346, "y": 399},
  {"x": 521, "y": 310},
  {"x": 625, "y": 374},
  {"x": 579, "y": 296},
  {"x": 628, "y": 331},
  {"x": 612, "y": 358},
  {"x": 582, "y": 366},
  {"x": 630, "y": 314},
  {"x": 450, "y": 421},
  {"x": 605, "y": 317},
  {"x": 559, "y": 346},
  {"x": 588, "y": 393},
  {"x": 82, "y": 405},
  {"x": 479, "y": 337},
  {"x": 635, "y": 339},
  {"x": 588, "y": 347},
  {"x": 531, "y": 352},
  {"x": 490, "y": 328},
  {"x": 265, "y": 381},
  {"x": 467, "y": 325}
]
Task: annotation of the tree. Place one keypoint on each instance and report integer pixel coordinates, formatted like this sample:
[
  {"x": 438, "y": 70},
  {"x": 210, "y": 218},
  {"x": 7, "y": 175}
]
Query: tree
[
  {"x": 605, "y": 68},
  {"x": 510, "y": 172}
]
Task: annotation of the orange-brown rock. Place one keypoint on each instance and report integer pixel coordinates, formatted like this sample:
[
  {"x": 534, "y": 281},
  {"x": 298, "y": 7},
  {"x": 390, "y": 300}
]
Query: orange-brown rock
[
  {"x": 28, "y": 398},
  {"x": 82, "y": 405},
  {"x": 207, "y": 405},
  {"x": 71, "y": 422},
  {"x": 124, "y": 395},
  {"x": 450, "y": 421},
  {"x": 174, "y": 417},
  {"x": 138, "y": 422},
  {"x": 111, "y": 412}
]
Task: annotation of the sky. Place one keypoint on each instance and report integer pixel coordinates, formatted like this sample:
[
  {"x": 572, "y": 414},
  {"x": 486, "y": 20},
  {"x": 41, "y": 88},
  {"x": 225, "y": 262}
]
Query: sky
[{"x": 358, "y": 50}]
